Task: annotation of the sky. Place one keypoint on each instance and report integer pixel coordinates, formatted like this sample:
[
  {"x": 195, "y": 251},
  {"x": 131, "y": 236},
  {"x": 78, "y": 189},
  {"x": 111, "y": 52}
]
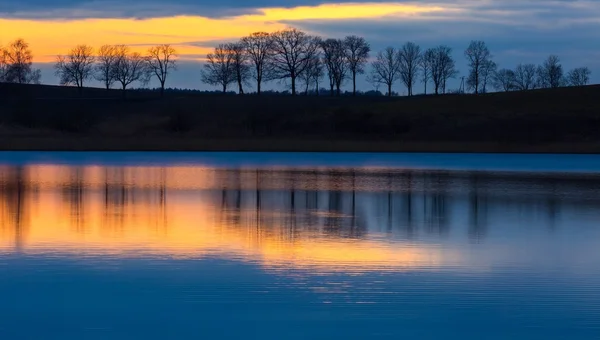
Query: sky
[{"x": 517, "y": 31}]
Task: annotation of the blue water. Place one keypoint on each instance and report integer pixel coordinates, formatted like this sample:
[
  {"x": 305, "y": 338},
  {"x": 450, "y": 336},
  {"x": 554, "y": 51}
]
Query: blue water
[{"x": 299, "y": 246}]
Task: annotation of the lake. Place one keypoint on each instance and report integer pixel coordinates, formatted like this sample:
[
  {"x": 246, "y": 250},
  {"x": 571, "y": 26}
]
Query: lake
[{"x": 299, "y": 246}]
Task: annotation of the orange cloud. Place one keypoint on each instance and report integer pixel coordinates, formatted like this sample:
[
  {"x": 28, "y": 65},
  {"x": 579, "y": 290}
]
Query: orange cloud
[{"x": 192, "y": 35}]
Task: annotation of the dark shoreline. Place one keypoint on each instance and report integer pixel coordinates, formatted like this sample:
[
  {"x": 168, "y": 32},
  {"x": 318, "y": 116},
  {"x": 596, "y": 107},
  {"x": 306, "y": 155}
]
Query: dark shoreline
[
  {"x": 47, "y": 118},
  {"x": 174, "y": 144}
]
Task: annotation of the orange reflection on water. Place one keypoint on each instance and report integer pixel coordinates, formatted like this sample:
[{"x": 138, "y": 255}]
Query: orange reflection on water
[{"x": 193, "y": 212}]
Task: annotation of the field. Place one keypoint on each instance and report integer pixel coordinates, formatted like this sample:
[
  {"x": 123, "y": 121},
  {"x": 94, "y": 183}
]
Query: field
[{"x": 36, "y": 117}]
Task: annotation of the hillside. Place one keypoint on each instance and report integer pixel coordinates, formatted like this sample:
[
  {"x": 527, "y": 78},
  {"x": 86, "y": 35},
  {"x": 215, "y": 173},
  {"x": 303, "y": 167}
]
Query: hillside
[{"x": 58, "y": 118}]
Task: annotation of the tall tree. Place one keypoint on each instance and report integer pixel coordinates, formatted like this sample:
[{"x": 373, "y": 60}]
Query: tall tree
[
  {"x": 525, "y": 77},
  {"x": 550, "y": 73},
  {"x": 443, "y": 67},
  {"x": 76, "y": 67},
  {"x": 259, "y": 47},
  {"x": 426, "y": 65},
  {"x": 334, "y": 56},
  {"x": 579, "y": 76},
  {"x": 240, "y": 64},
  {"x": 129, "y": 67},
  {"x": 504, "y": 80},
  {"x": 292, "y": 52},
  {"x": 410, "y": 58},
  {"x": 357, "y": 54},
  {"x": 219, "y": 69},
  {"x": 312, "y": 74},
  {"x": 105, "y": 67},
  {"x": 161, "y": 60},
  {"x": 487, "y": 73},
  {"x": 478, "y": 55},
  {"x": 19, "y": 61},
  {"x": 385, "y": 69}
]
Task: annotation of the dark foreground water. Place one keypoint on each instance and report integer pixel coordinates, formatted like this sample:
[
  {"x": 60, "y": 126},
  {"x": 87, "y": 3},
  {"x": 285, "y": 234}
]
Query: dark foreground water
[{"x": 299, "y": 246}]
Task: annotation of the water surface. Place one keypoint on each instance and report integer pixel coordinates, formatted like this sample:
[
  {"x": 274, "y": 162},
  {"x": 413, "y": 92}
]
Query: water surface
[{"x": 298, "y": 246}]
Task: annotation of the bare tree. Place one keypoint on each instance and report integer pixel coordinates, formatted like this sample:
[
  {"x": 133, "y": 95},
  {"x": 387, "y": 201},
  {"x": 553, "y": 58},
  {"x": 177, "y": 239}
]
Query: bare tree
[
  {"x": 19, "y": 61},
  {"x": 478, "y": 55},
  {"x": 161, "y": 60},
  {"x": 525, "y": 77},
  {"x": 385, "y": 69},
  {"x": 357, "y": 54},
  {"x": 240, "y": 64},
  {"x": 129, "y": 67},
  {"x": 550, "y": 74},
  {"x": 579, "y": 76},
  {"x": 105, "y": 67},
  {"x": 504, "y": 80},
  {"x": 76, "y": 67},
  {"x": 410, "y": 58},
  {"x": 259, "y": 48},
  {"x": 487, "y": 73},
  {"x": 292, "y": 52},
  {"x": 313, "y": 73},
  {"x": 443, "y": 67},
  {"x": 219, "y": 69},
  {"x": 426, "y": 65},
  {"x": 334, "y": 56}
]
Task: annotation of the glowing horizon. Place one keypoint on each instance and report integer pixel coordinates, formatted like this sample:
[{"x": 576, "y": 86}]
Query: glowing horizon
[{"x": 193, "y": 36}]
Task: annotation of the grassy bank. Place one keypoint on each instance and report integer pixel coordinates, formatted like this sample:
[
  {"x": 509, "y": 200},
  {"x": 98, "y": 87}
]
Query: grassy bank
[{"x": 565, "y": 120}]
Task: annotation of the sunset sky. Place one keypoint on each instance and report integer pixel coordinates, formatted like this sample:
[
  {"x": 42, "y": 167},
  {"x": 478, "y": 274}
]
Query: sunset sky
[{"x": 516, "y": 30}]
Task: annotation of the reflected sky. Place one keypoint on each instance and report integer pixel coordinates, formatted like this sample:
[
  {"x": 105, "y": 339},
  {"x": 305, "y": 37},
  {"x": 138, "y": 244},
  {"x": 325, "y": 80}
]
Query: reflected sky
[{"x": 368, "y": 250}]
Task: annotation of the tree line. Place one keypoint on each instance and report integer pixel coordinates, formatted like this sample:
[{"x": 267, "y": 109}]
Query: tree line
[
  {"x": 110, "y": 64},
  {"x": 298, "y": 59}
]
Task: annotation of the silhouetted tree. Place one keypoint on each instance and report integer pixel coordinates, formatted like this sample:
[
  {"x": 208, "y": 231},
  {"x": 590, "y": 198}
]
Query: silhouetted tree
[
  {"x": 313, "y": 73},
  {"x": 259, "y": 47},
  {"x": 550, "y": 74},
  {"x": 478, "y": 55},
  {"x": 487, "y": 73},
  {"x": 105, "y": 67},
  {"x": 579, "y": 76},
  {"x": 219, "y": 69},
  {"x": 161, "y": 60},
  {"x": 76, "y": 67},
  {"x": 443, "y": 68},
  {"x": 504, "y": 80},
  {"x": 292, "y": 52},
  {"x": 525, "y": 77},
  {"x": 385, "y": 69},
  {"x": 129, "y": 67},
  {"x": 357, "y": 54},
  {"x": 334, "y": 57},
  {"x": 410, "y": 58},
  {"x": 426, "y": 64},
  {"x": 19, "y": 59},
  {"x": 241, "y": 67}
]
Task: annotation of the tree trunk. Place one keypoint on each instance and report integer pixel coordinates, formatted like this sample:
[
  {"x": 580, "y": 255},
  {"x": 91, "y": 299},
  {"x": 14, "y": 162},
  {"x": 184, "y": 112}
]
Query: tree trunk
[
  {"x": 224, "y": 88},
  {"x": 162, "y": 89},
  {"x": 240, "y": 87},
  {"x": 354, "y": 84},
  {"x": 258, "y": 87},
  {"x": 293, "y": 85},
  {"x": 389, "y": 89},
  {"x": 425, "y": 88}
]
